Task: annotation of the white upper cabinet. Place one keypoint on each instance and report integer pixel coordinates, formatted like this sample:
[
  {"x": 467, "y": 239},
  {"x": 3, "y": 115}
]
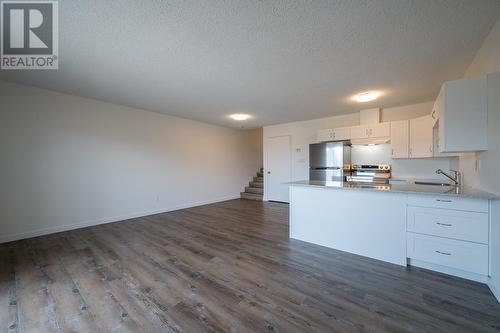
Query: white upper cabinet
[
  {"x": 400, "y": 139},
  {"x": 371, "y": 131},
  {"x": 342, "y": 133},
  {"x": 380, "y": 130},
  {"x": 360, "y": 132},
  {"x": 336, "y": 134},
  {"x": 437, "y": 145},
  {"x": 462, "y": 112},
  {"x": 421, "y": 137},
  {"x": 325, "y": 135}
]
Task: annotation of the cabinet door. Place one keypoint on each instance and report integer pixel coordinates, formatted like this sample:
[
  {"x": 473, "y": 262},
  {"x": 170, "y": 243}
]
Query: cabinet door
[
  {"x": 360, "y": 132},
  {"x": 421, "y": 143},
  {"x": 325, "y": 135},
  {"x": 466, "y": 226},
  {"x": 466, "y": 256},
  {"x": 437, "y": 145},
  {"x": 379, "y": 130},
  {"x": 436, "y": 108},
  {"x": 400, "y": 139},
  {"x": 342, "y": 133},
  {"x": 463, "y": 121}
]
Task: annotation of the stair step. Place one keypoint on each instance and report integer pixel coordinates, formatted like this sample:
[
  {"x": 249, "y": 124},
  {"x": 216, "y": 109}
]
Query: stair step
[
  {"x": 254, "y": 190},
  {"x": 256, "y": 184},
  {"x": 258, "y": 179},
  {"x": 251, "y": 196}
]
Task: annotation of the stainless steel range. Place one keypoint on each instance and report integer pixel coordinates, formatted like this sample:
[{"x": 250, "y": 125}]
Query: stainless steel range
[{"x": 370, "y": 173}]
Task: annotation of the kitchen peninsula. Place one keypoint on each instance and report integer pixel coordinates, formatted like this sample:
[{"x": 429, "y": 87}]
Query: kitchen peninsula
[{"x": 443, "y": 228}]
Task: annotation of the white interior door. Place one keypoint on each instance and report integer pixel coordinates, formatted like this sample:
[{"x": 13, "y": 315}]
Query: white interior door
[{"x": 279, "y": 163}]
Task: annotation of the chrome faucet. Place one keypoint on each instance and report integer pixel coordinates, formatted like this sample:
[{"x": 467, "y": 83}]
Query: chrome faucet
[{"x": 456, "y": 178}]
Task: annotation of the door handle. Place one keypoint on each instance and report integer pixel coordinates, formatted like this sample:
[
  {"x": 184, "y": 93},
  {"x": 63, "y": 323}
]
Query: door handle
[{"x": 269, "y": 172}]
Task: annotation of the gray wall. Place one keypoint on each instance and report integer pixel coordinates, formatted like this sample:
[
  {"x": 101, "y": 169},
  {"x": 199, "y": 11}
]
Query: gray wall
[{"x": 68, "y": 162}]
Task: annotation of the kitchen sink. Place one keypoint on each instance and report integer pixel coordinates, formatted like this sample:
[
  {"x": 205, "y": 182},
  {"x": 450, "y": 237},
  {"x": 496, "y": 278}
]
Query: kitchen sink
[{"x": 433, "y": 183}]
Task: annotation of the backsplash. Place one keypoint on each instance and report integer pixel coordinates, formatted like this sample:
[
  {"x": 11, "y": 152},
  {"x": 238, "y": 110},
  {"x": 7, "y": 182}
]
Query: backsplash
[{"x": 420, "y": 168}]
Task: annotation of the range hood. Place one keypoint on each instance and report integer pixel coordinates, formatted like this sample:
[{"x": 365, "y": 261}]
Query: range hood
[{"x": 371, "y": 141}]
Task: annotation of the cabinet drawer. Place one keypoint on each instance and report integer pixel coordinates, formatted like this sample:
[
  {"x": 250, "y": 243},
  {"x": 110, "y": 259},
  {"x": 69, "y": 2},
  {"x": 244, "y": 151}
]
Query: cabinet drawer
[
  {"x": 442, "y": 201},
  {"x": 470, "y": 257},
  {"x": 468, "y": 226}
]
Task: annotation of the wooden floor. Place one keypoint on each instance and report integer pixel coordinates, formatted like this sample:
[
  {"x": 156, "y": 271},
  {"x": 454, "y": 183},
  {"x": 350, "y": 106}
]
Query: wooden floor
[{"x": 227, "y": 267}]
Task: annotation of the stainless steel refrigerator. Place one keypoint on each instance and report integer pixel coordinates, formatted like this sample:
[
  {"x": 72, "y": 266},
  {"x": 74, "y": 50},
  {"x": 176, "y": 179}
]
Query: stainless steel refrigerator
[{"x": 330, "y": 161}]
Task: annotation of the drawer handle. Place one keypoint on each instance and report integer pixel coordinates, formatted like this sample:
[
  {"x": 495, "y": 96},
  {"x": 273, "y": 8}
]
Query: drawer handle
[
  {"x": 444, "y": 224},
  {"x": 443, "y": 200},
  {"x": 444, "y": 253}
]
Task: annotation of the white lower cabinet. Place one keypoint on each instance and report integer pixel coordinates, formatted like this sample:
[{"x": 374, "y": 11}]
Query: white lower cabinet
[
  {"x": 449, "y": 202},
  {"x": 465, "y": 256},
  {"x": 451, "y": 234},
  {"x": 467, "y": 226},
  {"x": 448, "y": 234}
]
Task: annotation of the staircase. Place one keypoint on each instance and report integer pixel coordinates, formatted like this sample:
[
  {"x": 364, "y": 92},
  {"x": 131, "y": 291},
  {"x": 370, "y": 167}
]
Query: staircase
[{"x": 255, "y": 189}]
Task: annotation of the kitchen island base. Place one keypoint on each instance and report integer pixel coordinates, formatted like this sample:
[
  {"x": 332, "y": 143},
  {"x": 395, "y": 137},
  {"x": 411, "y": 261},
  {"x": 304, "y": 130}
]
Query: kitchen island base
[{"x": 370, "y": 224}]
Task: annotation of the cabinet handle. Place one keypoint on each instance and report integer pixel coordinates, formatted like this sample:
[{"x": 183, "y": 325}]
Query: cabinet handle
[
  {"x": 444, "y": 253},
  {"x": 443, "y": 200},
  {"x": 444, "y": 224}
]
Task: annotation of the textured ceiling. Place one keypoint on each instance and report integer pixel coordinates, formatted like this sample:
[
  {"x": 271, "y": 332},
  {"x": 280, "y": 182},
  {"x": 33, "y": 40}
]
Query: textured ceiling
[{"x": 279, "y": 60}]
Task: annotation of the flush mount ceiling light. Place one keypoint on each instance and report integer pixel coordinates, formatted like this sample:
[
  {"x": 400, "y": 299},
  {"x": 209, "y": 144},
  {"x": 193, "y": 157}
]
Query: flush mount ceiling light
[
  {"x": 367, "y": 96},
  {"x": 239, "y": 116}
]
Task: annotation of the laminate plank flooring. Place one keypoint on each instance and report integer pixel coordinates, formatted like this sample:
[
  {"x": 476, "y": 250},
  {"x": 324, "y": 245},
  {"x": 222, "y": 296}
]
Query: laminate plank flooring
[{"x": 225, "y": 267}]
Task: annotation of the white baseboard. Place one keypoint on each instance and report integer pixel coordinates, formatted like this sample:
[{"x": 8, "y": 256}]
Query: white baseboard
[
  {"x": 450, "y": 271},
  {"x": 494, "y": 290},
  {"x": 79, "y": 225}
]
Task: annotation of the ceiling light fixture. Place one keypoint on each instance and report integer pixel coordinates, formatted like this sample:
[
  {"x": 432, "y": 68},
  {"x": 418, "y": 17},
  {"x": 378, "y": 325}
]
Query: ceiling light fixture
[
  {"x": 239, "y": 116},
  {"x": 367, "y": 96}
]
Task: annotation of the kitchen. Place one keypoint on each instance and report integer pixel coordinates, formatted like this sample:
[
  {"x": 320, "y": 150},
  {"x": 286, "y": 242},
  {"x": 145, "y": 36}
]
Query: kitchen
[{"x": 390, "y": 184}]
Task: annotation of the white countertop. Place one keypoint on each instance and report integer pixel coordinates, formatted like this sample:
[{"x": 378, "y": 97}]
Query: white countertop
[{"x": 411, "y": 188}]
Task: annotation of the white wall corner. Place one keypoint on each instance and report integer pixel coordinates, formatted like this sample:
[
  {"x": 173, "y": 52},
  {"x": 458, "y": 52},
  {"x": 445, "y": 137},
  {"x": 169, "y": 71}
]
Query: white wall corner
[{"x": 495, "y": 288}]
